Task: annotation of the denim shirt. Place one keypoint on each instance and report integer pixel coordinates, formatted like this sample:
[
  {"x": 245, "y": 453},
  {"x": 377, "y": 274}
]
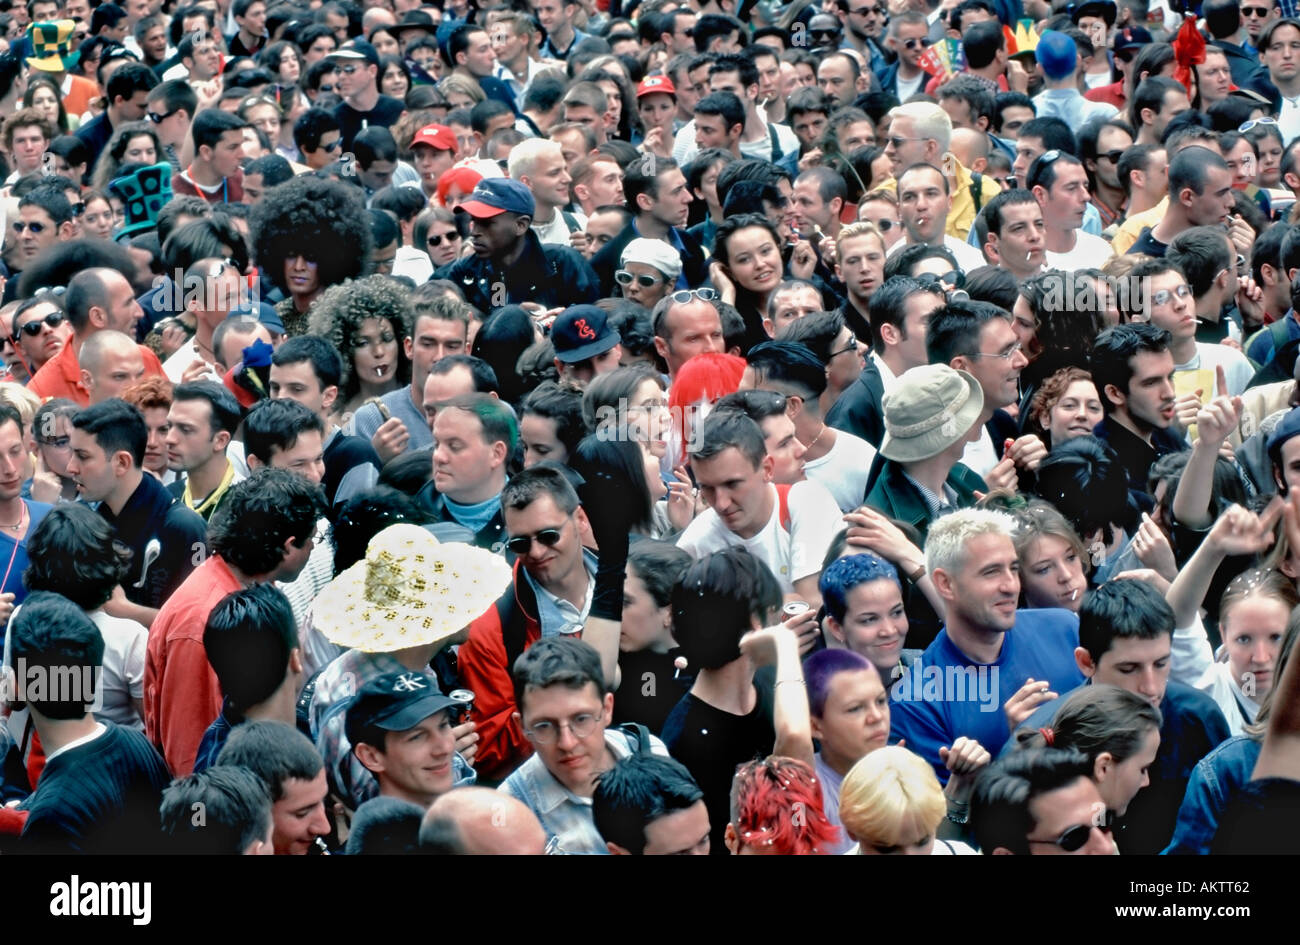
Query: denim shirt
[{"x": 1214, "y": 780}]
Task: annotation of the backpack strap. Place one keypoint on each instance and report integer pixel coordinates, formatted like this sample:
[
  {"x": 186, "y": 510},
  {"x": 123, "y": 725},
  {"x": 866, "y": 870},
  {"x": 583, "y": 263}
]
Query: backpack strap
[
  {"x": 777, "y": 153},
  {"x": 638, "y": 737},
  {"x": 570, "y": 221},
  {"x": 783, "y": 503},
  {"x": 514, "y": 628}
]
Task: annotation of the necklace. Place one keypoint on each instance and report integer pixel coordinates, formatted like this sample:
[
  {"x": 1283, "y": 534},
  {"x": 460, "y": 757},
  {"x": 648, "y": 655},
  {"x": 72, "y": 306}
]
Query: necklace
[
  {"x": 817, "y": 437},
  {"x": 22, "y": 517}
]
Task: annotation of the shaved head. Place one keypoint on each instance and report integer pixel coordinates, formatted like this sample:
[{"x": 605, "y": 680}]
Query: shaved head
[{"x": 480, "y": 821}]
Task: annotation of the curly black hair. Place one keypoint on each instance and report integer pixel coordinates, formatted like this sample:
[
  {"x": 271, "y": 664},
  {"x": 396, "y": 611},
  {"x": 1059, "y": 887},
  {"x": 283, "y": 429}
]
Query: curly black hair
[{"x": 323, "y": 220}]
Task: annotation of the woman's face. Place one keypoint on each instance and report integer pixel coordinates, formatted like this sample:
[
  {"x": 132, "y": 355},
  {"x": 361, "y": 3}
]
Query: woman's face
[
  {"x": 444, "y": 242},
  {"x": 1076, "y": 413},
  {"x": 140, "y": 148},
  {"x": 1120, "y": 784},
  {"x": 649, "y": 415},
  {"x": 1051, "y": 574},
  {"x": 855, "y": 719},
  {"x": 645, "y": 623},
  {"x": 119, "y": 211},
  {"x": 385, "y": 44},
  {"x": 45, "y": 102},
  {"x": 1252, "y": 632},
  {"x": 755, "y": 260},
  {"x": 455, "y": 197},
  {"x": 875, "y": 623},
  {"x": 301, "y": 276},
  {"x": 1241, "y": 161},
  {"x": 290, "y": 67},
  {"x": 1270, "y": 162},
  {"x": 395, "y": 83},
  {"x": 375, "y": 351},
  {"x": 97, "y": 221},
  {"x": 540, "y": 440}
]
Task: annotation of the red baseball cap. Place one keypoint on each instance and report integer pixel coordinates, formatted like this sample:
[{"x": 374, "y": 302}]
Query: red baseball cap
[
  {"x": 656, "y": 84},
  {"x": 436, "y": 136}
]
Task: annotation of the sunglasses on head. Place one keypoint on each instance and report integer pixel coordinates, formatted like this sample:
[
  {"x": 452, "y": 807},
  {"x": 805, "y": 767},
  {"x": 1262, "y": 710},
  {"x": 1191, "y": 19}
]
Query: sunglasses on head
[
  {"x": 704, "y": 295},
  {"x": 1256, "y": 123},
  {"x": 623, "y": 277},
  {"x": 33, "y": 328},
  {"x": 547, "y": 537}
]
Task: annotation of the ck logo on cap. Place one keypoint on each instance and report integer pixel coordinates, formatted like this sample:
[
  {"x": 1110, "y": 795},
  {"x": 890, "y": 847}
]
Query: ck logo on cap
[
  {"x": 584, "y": 330},
  {"x": 409, "y": 682}
]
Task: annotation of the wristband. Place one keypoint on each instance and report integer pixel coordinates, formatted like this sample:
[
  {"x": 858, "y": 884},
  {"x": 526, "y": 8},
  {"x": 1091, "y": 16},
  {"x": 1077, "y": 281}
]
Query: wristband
[{"x": 917, "y": 574}]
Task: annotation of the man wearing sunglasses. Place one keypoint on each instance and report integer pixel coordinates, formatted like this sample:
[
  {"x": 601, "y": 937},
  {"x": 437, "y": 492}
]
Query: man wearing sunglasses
[
  {"x": 1257, "y": 15},
  {"x": 357, "y": 84},
  {"x": 40, "y": 331},
  {"x": 907, "y": 39},
  {"x": 1101, "y": 147},
  {"x": 864, "y": 26},
  {"x": 44, "y": 219},
  {"x": 1225, "y": 21},
  {"x": 1061, "y": 804},
  {"x": 171, "y": 108},
  {"x": 317, "y": 135}
]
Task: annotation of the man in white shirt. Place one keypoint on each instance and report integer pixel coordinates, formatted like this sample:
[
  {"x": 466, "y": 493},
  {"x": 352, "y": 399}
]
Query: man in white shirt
[
  {"x": 1060, "y": 184},
  {"x": 213, "y": 289},
  {"x": 738, "y": 75},
  {"x": 538, "y": 164},
  {"x": 734, "y": 475},
  {"x": 924, "y": 199}
]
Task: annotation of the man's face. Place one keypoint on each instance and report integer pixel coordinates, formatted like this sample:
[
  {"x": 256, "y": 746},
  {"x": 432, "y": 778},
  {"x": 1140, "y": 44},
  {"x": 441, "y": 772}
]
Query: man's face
[
  {"x": 78, "y": 10},
  {"x": 13, "y": 459},
  {"x": 190, "y": 441},
  {"x": 730, "y": 82},
  {"x": 986, "y": 587},
  {"x": 434, "y": 339},
  {"x": 909, "y": 42},
  {"x": 855, "y": 135},
  {"x": 172, "y": 129},
  {"x": 37, "y": 233},
  {"x": 694, "y": 89},
  {"x": 571, "y": 760},
  {"x": 602, "y": 228},
  {"x": 29, "y": 144},
  {"x": 1215, "y": 77},
  {"x": 430, "y": 162},
  {"x": 550, "y": 180},
  {"x": 682, "y": 41},
  {"x": 904, "y": 147},
  {"x": 1170, "y": 305},
  {"x": 1021, "y": 248},
  {"x": 378, "y": 175},
  {"x": 298, "y": 817},
  {"x": 910, "y": 344},
  {"x": 1213, "y": 204},
  {"x": 923, "y": 203},
  {"x": 464, "y": 464},
  {"x": 605, "y": 186},
  {"x": 44, "y": 345},
  {"x": 711, "y": 131},
  {"x": 319, "y": 49},
  {"x": 1156, "y": 181},
  {"x": 118, "y": 370},
  {"x": 1079, "y": 804},
  {"x": 1028, "y": 149},
  {"x": 89, "y": 467},
  {"x": 855, "y": 719},
  {"x": 861, "y": 265},
  {"x": 1282, "y": 57},
  {"x": 693, "y": 328},
  {"x": 782, "y": 445},
  {"x": 585, "y": 115},
  {"x": 123, "y": 310},
  {"x": 1150, "y": 398},
  {"x": 1109, "y": 142},
  {"x": 998, "y": 374},
  {"x": 354, "y": 76},
  {"x": 680, "y": 833},
  {"x": 582, "y": 372},
  {"x": 553, "y": 15},
  {"x": 479, "y": 58},
  {"x": 338, "y": 23},
  {"x": 1254, "y": 17},
  {"x": 228, "y": 153},
  {"x": 736, "y": 490},
  {"x": 672, "y": 203},
  {"x": 206, "y": 61},
  {"x": 494, "y": 237},
  {"x": 550, "y": 565},
  {"x": 1013, "y": 117},
  {"x": 1066, "y": 201},
  {"x": 792, "y": 305},
  {"x": 810, "y": 209},
  {"x": 133, "y": 108},
  {"x": 506, "y": 45},
  {"x": 154, "y": 45},
  {"x": 305, "y": 456},
  {"x": 809, "y": 127},
  {"x": 769, "y": 77},
  {"x": 1140, "y": 666},
  {"x": 835, "y": 78},
  {"x": 416, "y": 764},
  {"x": 440, "y": 389},
  {"x": 960, "y": 112},
  {"x": 866, "y": 18},
  {"x": 1174, "y": 104}
]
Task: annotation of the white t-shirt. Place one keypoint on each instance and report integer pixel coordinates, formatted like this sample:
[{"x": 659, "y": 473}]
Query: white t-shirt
[
  {"x": 968, "y": 257},
  {"x": 556, "y": 232},
  {"x": 909, "y": 87},
  {"x": 981, "y": 455},
  {"x": 175, "y": 366},
  {"x": 843, "y": 470},
  {"x": 1236, "y": 368},
  {"x": 1090, "y": 252},
  {"x": 123, "y": 679},
  {"x": 793, "y": 553}
]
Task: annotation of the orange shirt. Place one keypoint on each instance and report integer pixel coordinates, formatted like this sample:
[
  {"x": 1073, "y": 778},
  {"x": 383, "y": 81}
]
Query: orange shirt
[
  {"x": 61, "y": 375},
  {"x": 78, "y": 97}
]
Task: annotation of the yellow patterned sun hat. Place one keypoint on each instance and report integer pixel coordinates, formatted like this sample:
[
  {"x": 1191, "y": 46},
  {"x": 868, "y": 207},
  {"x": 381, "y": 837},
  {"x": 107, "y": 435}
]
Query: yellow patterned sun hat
[{"x": 409, "y": 590}]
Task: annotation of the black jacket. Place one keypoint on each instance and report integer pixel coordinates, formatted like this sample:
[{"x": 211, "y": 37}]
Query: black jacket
[
  {"x": 552, "y": 276},
  {"x": 695, "y": 265},
  {"x": 858, "y": 410},
  {"x": 153, "y": 513}
]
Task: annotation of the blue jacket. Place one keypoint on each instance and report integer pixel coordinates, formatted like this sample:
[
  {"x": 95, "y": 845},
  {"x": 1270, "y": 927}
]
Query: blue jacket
[{"x": 1214, "y": 780}]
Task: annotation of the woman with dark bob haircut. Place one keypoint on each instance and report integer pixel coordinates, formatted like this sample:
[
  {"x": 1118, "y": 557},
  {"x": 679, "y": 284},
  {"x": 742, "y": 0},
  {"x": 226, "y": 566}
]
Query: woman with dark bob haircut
[
  {"x": 309, "y": 234},
  {"x": 73, "y": 552}
]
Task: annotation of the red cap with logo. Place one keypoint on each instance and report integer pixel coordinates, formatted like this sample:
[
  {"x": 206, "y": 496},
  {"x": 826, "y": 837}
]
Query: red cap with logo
[
  {"x": 656, "y": 85},
  {"x": 436, "y": 136}
]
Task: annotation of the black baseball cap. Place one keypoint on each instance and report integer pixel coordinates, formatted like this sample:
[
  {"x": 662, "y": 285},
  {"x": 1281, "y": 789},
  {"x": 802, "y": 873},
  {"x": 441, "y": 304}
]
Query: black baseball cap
[
  {"x": 357, "y": 49},
  {"x": 395, "y": 702},
  {"x": 581, "y": 332}
]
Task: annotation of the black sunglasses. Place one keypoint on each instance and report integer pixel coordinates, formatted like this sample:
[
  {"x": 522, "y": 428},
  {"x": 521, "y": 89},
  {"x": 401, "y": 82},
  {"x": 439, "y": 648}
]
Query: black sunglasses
[
  {"x": 1073, "y": 839},
  {"x": 449, "y": 237},
  {"x": 1113, "y": 156},
  {"x": 33, "y": 328},
  {"x": 159, "y": 119},
  {"x": 548, "y": 537}
]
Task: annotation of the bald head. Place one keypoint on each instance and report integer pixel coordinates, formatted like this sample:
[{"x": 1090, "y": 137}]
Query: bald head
[
  {"x": 970, "y": 147},
  {"x": 110, "y": 363},
  {"x": 233, "y": 336},
  {"x": 476, "y": 821}
]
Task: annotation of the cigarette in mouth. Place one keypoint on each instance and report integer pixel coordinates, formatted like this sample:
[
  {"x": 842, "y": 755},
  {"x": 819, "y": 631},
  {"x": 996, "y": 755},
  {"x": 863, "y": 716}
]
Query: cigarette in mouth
[
  {"x": 379, "y": 372},
  {"x": 1074, "y": 593}
]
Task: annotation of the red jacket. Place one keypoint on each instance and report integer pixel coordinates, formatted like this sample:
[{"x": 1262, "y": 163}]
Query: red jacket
[{"x": 495, "y": 641}]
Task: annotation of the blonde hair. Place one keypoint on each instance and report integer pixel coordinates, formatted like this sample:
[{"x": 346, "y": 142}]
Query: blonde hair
[
  {"x": 525, "y": 155},
  {"x": 21, "y": 399},
  {"x": 931, "y": 122},
  {"x": 891, "y": 798},
  {"x": 860, "y": 228},
  {"x": 945, "y": 544}
]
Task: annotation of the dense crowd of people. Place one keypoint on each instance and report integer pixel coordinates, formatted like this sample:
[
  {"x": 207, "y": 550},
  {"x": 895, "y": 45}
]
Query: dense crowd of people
[{"x": 600, "y": 426}]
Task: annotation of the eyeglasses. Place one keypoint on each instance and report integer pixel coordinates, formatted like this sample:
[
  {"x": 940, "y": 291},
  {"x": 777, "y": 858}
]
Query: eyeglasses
[
  {"x": 547, "y": 538},
  {"x": 704, "y": 295},
  {"x": 450, "y": 238},
  {"x": 1261, "y": 12},
  {"x": 897, "y": 142},
  {"x": 348, "y": 70},
  {"x": 159, "y": 119},
  {"x": 824, "y": 33},
  {"x": 1165, "y": 295},
  {"x": 325, "y": 89},
  {"x": 1255, "y": 123},
  {"x": 332, "y": 146},
  {"x": 623, "y": 277},
  {"x": 851, "y": 346},
  {"x": 1113, "y": 156},
  {"x": 36, "y": 228},
  {"x": 33, "y": 328},
  {"x": 546, "y": 732},
  {"x": 1073, "y": 839},
  {"x": 1003, "y": 355}
]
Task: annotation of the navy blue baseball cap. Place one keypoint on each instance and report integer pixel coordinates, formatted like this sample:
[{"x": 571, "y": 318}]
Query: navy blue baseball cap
[
  {"x": 581, "y": 332},
  {"x": 395, "y": 702},
  {"x": 1287, "y": 429},
  {"x": 493, "y": 196}
]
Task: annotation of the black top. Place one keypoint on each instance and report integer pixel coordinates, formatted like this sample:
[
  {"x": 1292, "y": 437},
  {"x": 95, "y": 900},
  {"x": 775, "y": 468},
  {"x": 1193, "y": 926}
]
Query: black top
[
  {"x": 711, "y": 743},
  {"x": 858, "y": 410},
  {"x": 695, "y": 265},
  {"x": 100, "y": 797},
  {"x": 551, "y": 276},
  {"x": 1135, "y": 454},
  {"x": 1148, "y": 245},
  {"x": 386, "y": 111},
  {"x": 344, "y": 453},
  {"x": 650, "y": 689},
  {"x": 153, "y": 513}
]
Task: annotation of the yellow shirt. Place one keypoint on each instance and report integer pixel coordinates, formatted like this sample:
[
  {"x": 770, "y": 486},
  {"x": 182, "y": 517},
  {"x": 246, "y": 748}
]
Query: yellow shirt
[
  {"x": 1132, "y": 228},
  {"x": 962, "y": 214}
]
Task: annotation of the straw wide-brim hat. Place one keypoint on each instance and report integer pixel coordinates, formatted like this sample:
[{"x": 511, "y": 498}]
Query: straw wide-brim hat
[{"x": 409, "y": 590}]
